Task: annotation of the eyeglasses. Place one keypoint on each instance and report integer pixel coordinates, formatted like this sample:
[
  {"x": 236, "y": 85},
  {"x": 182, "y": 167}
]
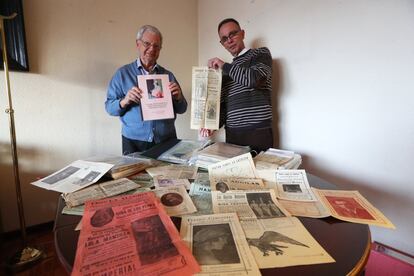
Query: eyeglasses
[
  {"x": 231, "y": 35},
  {"x": 147, "y": 45}
]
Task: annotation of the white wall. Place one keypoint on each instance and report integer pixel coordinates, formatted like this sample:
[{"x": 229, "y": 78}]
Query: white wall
[
  {"x": 74, "y": 47},
  {"x": 346, "y": 91}
]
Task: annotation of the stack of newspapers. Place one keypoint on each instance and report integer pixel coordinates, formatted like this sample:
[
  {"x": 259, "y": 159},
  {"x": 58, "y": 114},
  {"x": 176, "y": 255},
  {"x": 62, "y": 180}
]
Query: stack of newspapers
[
  {"x": 278, "y": 159},
  {"x": 217, "y": 152}
]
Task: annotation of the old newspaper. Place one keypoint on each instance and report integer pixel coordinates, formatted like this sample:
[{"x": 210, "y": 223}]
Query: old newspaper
[
  {"x": 283, "y": 242},
  {"x": 205, "y": 98},
  {"x": 200, "y": 193},
  {"x": 173, "y": 171},
  {"x": 175, "y": 200},
  {"x": 310, "y": 209},
  {"x": 79, "y": 174},
  {"x": 353, "y": 207},
  {"x": 241, "y": 166},
  {"x": 219, "y": 245},
  {"x": 261, "y": 204},
  {"x": 99, "y": 191},
  {"x": 293, "y": 185},
  {"x": 226, "y": 184},
  {"x": 130, "y": 235}
]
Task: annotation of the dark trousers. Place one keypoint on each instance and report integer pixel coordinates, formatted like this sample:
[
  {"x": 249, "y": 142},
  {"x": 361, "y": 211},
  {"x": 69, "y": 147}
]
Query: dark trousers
[
  {"x": 130, "y": 145},
  {"x": 258, "y": 139}
]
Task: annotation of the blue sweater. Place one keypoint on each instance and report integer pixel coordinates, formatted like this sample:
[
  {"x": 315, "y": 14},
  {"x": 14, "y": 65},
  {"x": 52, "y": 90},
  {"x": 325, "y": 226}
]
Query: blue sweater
[{"x": 133, "y": 127}]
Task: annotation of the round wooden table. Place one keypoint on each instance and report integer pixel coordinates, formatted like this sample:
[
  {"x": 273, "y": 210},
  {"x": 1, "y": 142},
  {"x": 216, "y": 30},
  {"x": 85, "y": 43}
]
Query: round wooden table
[{"x": 348, "y": 243}]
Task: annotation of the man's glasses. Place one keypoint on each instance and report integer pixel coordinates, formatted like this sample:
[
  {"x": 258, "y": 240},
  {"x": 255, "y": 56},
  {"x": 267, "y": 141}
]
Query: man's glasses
[
  {"x": 231, "y": 35},
  {"x": 147, "y": 45}
]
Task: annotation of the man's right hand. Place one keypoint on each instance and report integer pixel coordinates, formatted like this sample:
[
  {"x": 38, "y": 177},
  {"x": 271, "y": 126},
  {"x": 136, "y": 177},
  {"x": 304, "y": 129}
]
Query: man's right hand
[
  {"x": 204, "y": 132},
  {"x": 133, "y": 95}
]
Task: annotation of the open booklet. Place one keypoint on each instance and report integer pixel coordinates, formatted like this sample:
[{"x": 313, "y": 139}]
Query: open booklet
[{"x": 205, "y": 103}]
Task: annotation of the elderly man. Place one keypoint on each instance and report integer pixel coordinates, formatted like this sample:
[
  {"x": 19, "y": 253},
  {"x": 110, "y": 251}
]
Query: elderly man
[
  {"x": 246, "y": 109},
  {"x": 123, "y": 97}
]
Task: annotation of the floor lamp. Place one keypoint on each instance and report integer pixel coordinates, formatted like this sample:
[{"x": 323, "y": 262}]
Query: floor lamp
[{"x": 27, "y": 255}]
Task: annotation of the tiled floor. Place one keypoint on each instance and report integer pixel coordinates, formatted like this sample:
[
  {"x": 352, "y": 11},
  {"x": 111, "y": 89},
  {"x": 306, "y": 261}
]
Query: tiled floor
[{"x": 42, "y": 239}]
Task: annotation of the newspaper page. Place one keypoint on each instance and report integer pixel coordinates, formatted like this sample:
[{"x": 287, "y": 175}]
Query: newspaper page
[
  {"x": 175, "y": 200},
  {"x": 241, "y": 166},
  {"x": 293, "y": 185},
  {"x": 160, "y": 182},
  {"x": 143, "y": 179},
  {"x": 260, "y": 204},
  {"x": 205, "y": 98},
  {"x": 310, "y": 209},
  {"x": 200, "y": 194},
  {"x": 283, "y": 242},
  {"x": 183, "y": 151},
  {"x": 98, "y": 191},
  {"x": 218, "y": 244},
  {"x": 73, "y": 177},
  {"x": 353, "y": 207},
  {"x": 222, "y": 151},
  {"x": 156, "y": 102},
  {"x": 130, "y": 235},
  {"x": 272, "y": 158},
  {"x": 225, "y": 184},
  {"x": 173, "y": 172}
]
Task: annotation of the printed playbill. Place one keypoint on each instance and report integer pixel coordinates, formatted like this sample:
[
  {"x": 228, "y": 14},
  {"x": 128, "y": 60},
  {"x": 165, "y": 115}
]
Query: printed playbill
[
  {"x": 260, "y": 204},
  {"x": 130, "y": 235},
  {"x": 99, "y": 191},
  {"x": 200, "y": 193},
  {"x": 226, "y": 184},
  {"x": 73, "y": 177},
  {"x": 353, "y": 207},
  {"x": 293, "y": 185},
  {"x": 175, "y": 200},
  {"x": 156, "y": 102},
  {"x": 241, "y": 166},
  {"x": 218, "y": 244},
  {"x": 310, "y": 209},
  {"x": 283, "y": 242},
  {"x": 205, "y": 98}
]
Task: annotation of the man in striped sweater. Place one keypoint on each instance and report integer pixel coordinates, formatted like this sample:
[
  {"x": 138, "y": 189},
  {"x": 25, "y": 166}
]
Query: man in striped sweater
[{"x": 246, "y": 109}]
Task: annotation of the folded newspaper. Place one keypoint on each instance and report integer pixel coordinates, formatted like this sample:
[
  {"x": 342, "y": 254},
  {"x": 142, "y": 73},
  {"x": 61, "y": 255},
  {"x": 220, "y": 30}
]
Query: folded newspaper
[{"x": 277, "y": 159}]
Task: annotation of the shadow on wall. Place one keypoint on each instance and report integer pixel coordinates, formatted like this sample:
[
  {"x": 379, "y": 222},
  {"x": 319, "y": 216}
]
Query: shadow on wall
[
  {"x": 277, "y": 88},
  {"x": 39, "y": 204}
]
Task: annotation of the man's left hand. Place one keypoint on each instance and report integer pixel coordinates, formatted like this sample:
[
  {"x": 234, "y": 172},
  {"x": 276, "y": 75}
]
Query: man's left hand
[{"x": 175, "y": 91}]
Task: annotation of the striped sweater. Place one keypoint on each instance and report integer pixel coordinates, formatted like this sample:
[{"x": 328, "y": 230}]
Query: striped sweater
[{"x": 246, "y": 91}]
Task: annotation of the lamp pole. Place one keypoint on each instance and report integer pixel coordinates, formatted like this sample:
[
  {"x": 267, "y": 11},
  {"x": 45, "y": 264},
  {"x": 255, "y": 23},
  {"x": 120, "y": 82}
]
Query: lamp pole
[{"x": 28, "y": 254}]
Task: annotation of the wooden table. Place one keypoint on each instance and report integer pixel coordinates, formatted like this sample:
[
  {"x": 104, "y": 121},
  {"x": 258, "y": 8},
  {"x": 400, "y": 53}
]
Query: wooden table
[{"x": 348, "y": 243}]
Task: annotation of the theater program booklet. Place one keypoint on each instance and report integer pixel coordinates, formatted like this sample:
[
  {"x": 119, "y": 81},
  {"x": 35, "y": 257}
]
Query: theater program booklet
[{"x": 156, "y": 101}]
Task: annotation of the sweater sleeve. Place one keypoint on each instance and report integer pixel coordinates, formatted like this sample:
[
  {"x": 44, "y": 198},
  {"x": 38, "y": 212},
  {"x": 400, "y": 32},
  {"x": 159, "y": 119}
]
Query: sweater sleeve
[{"x": 252, "y": 73}]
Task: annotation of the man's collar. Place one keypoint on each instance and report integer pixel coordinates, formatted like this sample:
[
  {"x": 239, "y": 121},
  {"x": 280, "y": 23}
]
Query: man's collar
[
  {"x": 141, "y": 67},
  {"x": 242, "y": 52}
]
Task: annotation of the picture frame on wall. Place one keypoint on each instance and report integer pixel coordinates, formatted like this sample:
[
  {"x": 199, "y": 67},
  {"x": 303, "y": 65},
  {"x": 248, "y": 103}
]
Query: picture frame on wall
[{"x": 15, "y": 36}]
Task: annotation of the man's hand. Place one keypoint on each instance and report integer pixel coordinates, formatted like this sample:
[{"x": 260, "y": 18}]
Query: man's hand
[
  {"x": 175, "y": 91},
  {"x": 133, "y": 95},
  {"x": 204, "y": 132},
  {"x": 215, "y": 63}
]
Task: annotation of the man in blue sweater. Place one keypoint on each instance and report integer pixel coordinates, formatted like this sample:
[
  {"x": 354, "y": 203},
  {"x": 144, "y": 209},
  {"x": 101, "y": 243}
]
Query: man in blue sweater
[
  {"x": 123, "y": 97},
  {"x": 246, "y": 109}
]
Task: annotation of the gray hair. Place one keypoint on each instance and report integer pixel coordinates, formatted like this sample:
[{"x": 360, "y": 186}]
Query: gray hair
[{"x": 148, "y": 28}]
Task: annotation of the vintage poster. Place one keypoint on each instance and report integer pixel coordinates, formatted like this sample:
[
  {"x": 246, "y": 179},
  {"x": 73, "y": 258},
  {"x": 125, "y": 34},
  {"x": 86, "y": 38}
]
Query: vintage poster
[
  {"x": 205, "y": 98},
  {"x": 259, "y": 204},
  {"x": 175, "y": 200},
  {"x": 293, "y": 185},
  {"x": 156, "y": 102},
  {"x": 353, "y": 207},
  {"x": 241, "y": 166},
  {"x": 283, "y": 242},
  {"x": 218, "y": 244},
  {"x": 130, "y": 235}
]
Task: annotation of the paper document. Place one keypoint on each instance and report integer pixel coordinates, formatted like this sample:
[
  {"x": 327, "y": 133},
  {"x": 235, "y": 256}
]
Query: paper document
[
  {"x": 73, "y": 177},
  {"x": 156, "y": 102},
  {"x": 205, "y": 98}
]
